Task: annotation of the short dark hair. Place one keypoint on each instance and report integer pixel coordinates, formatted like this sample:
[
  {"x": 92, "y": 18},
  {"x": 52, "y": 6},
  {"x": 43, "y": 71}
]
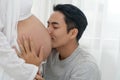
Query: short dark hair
[{"x": 74, "y": 18}]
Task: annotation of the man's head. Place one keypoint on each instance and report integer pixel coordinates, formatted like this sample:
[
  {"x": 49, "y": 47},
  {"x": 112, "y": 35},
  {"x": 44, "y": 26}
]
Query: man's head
[
  {"x": 66, "y": 23},
  {"x": 74, "y": 18}
]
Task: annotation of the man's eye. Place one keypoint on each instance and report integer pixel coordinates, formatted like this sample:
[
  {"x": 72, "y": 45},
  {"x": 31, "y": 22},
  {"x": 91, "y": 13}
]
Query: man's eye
[{"x": 55, "y": 27}]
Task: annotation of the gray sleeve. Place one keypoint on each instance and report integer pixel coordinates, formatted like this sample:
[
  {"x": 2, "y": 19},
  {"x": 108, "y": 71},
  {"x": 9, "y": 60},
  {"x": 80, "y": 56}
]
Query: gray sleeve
[{"x": 85, "y": 71}]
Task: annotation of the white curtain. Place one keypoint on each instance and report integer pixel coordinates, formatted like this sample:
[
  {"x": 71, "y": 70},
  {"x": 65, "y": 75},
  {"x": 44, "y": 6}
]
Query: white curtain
[{"x": 102, "y": 36}]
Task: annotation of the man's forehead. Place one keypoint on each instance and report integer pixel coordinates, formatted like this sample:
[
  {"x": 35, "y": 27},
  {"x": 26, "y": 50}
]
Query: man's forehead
[{"x": 56, "y": 17}]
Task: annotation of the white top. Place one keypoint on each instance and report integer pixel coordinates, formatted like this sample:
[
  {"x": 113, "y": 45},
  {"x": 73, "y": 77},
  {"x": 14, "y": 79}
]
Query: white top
[
  {"x": 79, "y": 66},
  {"x": 11, "y": 66},
  {"x": 25, "y": 9},
  {"x": 4, "y": 76}
]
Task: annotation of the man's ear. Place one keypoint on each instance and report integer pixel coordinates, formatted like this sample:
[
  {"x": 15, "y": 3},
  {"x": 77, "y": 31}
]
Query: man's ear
[{"x": 73, "y": 33}]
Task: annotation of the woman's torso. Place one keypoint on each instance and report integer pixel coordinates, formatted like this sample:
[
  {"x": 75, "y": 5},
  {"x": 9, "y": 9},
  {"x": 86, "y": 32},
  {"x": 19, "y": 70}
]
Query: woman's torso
[{"x": 39, "y": 34}]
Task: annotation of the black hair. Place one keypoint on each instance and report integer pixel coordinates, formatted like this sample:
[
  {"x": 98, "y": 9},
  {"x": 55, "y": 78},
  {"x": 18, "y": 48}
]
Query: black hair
[{"x": 74, "y": 18}]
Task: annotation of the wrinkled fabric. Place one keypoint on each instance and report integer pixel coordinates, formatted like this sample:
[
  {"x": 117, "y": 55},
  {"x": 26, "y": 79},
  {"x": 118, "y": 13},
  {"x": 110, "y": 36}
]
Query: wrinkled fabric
[{"x": 4, "y": 76}]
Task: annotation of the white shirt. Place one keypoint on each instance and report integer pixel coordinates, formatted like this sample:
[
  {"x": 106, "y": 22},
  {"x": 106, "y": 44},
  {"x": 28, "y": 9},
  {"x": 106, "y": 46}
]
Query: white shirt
[{"x": 4, "y": 76}]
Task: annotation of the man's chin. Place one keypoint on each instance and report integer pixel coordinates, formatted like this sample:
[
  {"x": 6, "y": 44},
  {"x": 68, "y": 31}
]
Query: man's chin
[{"x": 53, "y": 46}]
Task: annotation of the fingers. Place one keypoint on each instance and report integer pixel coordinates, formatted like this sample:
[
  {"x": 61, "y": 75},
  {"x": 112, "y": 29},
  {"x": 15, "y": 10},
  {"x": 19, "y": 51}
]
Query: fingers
[
  {"x": 21, "y": 46},
  {"x": 41, "y": 54},
  {"x": 26, "y": 44},
  {"x": 38, "y": 77},
  {"x": 32, "y": 45}
]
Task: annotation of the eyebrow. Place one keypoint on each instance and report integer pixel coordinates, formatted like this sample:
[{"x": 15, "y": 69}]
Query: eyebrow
[{"x": 52, "y": 22}]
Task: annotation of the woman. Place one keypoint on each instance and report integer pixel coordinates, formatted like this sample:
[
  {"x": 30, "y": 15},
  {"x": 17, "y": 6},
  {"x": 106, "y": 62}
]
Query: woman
[{"x": 16, "y": 20}]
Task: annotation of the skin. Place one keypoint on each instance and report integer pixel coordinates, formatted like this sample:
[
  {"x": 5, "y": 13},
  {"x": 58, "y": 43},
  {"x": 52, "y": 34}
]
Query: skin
[
  {"x": 40, "y": 36},
  {"x": 65, "y": 43},
  {"x": 27, "y": 48}
]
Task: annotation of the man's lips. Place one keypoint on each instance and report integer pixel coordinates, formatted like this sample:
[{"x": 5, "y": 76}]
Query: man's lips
[{"x": 52, "y": 38}]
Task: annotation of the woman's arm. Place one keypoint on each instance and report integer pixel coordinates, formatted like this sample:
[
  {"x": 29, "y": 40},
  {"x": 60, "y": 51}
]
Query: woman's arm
[{"x": 12, "y": 64}]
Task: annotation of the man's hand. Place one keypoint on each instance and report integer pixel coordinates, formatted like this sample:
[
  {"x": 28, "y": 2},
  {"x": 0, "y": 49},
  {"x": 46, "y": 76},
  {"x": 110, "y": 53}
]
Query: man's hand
[{"x": 27, "y": 49}]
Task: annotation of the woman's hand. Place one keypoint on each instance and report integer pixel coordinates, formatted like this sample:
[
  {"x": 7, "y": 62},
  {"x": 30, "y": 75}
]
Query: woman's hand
[
  {"x": 27, "y": 49},
  {"x": 38, "y": 77}
]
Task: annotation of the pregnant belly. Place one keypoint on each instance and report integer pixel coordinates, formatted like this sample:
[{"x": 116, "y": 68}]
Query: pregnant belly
[{"x": 39, "y": 34}]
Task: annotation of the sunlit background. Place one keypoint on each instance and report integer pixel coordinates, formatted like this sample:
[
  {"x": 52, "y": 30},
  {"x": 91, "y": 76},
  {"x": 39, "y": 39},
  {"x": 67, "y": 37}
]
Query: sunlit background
[{"x": 102, "y": 36}]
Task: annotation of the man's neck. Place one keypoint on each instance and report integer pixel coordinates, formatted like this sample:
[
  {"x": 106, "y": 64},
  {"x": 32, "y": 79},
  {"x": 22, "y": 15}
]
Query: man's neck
[{"x": 66, "y": 51}]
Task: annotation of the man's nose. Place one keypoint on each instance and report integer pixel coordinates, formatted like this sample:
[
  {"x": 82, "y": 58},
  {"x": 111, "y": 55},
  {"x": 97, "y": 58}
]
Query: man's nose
[{"x": 49, "y": 30}]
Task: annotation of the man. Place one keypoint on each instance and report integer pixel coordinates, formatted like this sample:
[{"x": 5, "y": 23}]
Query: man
[{"x": 68, "y": 61}]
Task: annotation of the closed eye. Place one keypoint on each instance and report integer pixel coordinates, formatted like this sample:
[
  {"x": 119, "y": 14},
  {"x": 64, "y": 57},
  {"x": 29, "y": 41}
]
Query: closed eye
[{"x": 54, "y": 24}]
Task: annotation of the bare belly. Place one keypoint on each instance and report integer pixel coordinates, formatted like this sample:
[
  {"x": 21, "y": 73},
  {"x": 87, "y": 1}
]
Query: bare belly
[{"x": 39, "y": 34}]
